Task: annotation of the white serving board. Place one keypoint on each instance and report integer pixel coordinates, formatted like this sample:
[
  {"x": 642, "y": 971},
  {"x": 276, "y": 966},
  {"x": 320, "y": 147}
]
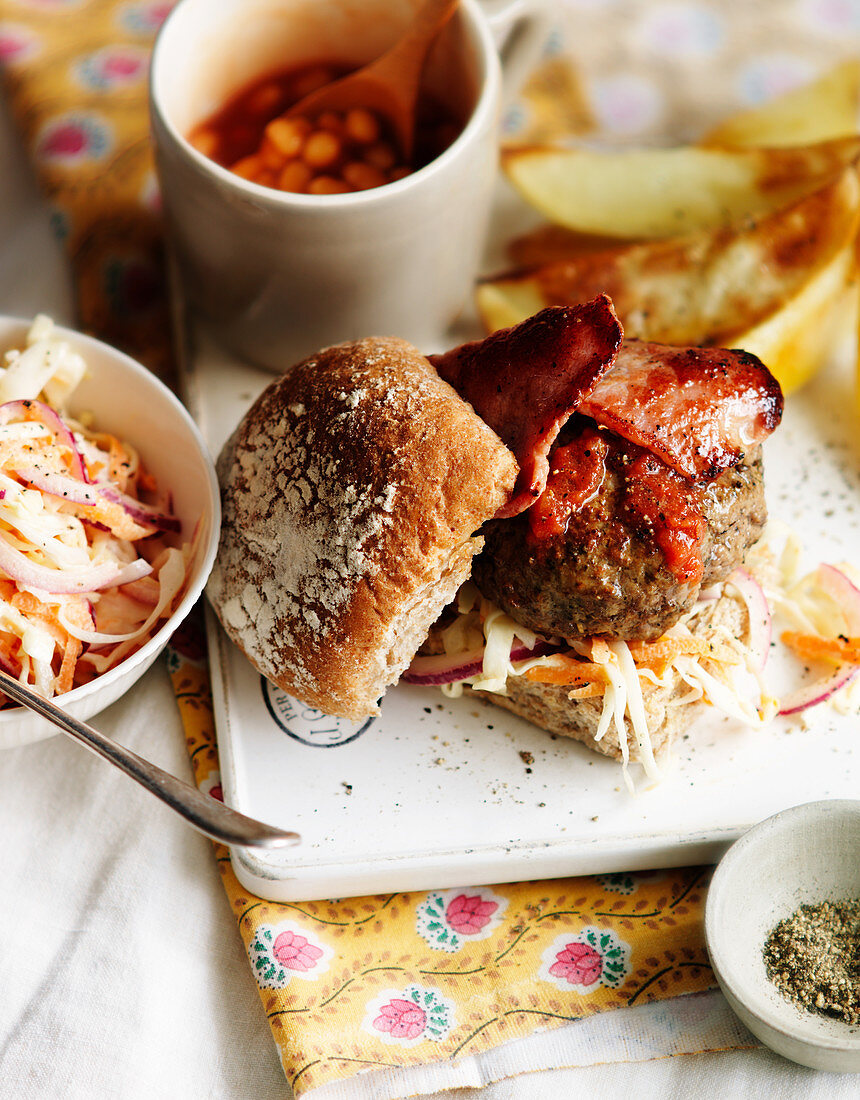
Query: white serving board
[{"x": 439, "y": 793}]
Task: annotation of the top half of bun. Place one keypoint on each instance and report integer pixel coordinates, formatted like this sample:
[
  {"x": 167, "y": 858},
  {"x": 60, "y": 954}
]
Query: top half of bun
[{"x": 351, "y": 492}]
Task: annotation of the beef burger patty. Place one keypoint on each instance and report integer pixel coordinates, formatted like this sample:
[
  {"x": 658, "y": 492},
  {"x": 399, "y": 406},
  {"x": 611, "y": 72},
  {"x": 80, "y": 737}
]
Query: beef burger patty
[{"x": 608, "y": 573}]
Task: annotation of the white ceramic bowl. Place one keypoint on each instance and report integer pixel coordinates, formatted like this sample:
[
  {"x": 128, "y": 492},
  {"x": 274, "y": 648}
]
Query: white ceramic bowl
[
  {"x": 803, "y": 855},
  {"x": 128, "y": 401}
]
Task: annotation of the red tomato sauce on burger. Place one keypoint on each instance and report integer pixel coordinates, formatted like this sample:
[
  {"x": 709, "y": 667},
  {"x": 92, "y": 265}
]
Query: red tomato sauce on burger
[
  {"x": 654, "y": 497},
  {"x": 670, "y": 506},
  {"x": 576, "y": 472}
]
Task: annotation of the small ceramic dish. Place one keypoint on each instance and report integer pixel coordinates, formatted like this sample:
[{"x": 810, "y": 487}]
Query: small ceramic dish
[
  {"x": 804, "y": 855},
  {"x": 127, "y": 400}
]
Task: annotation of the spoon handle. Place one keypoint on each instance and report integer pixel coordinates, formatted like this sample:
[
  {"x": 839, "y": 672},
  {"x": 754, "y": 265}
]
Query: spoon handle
[
  {"x": 429, "y": 20},
  {"x": 206, "y": 814},
  {"x": 399, "y": 69}
]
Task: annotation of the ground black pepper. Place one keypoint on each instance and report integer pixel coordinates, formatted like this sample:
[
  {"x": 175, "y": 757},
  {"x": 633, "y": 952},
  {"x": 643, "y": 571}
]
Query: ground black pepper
[{"x": 813, "y": 958}]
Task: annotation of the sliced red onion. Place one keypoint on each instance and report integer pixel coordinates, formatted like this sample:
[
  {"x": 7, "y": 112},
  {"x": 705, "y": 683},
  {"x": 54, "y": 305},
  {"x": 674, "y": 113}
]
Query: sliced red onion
[
  {"x": 91, "y": 607},
  {"x": 139, "y": 512},
  {"x": 133, "y": 571},
  {"x": 819, "y": 691},
  {"x": 445, "y": 668},
  {"x": 521, "y": 652},
  {"x": 58, "y": 485},
  {"x": 74, "y": 628},
  {"x": 18, "y": 567},
  {"x": 706, "y": 595},
  {"x": 761, "y": 626},
  {"x": 38, "y": 410},
  {"x": 143, "y": 590},
  {"x": 844, "y": 591}
]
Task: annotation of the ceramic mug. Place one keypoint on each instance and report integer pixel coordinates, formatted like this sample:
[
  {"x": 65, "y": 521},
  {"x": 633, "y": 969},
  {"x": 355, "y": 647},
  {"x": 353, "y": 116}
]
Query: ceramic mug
[{"x": 279, "y": 275}]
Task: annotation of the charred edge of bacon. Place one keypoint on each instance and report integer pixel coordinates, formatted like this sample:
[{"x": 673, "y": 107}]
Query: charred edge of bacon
[{"x": 566, "y": 349}]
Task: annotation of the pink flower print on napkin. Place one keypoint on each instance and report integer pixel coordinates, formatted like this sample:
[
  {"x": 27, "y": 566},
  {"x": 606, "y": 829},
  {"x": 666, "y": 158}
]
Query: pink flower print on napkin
[
  {"x": 16, "y": 44},
  {"x": 583, "y": 960},
  {"x": 295, "y": 952},
  {"x": 143, "y": 19},
  {"x": 112, "y": 67},
  {"x": 281, "y": 952},
  {"x": 447, "y": 919},
  {"x": 406, "y": 1017},
  {"x": 119, "y": 64},
  {"x": 469, "y": 915},
  {"x": 73, "y": 138},
  {"x": 578, "y": 963},
  {"x": 66, "y": 141},
  {"x": 401, "y": 1019},
  {"x": 211, "y": 784}
]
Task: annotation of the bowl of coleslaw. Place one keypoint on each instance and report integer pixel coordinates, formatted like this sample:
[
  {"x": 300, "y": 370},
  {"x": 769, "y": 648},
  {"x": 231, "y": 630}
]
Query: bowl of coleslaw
[{"x": 109, "y": 520}]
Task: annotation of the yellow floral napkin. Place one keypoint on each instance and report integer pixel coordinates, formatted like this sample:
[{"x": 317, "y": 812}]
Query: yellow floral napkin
[
  {"x": 75, "y": 74},
  {"x": 401, "y": 980}
]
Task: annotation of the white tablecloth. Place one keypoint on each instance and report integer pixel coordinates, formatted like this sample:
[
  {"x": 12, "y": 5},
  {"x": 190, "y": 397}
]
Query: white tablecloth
[{"x": 121, "y": 971}]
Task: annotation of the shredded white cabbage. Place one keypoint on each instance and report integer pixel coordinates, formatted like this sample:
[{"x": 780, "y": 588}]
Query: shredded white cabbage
[
  {"x": 47, "y": 365},
  {"x": 635, "y": 707},
  {"x": 76, "y": 595},
  {"x": 480, "y": 623}
]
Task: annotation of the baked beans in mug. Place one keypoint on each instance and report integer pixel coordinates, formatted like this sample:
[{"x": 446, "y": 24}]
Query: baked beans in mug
[{"x": 331, "y": 154}]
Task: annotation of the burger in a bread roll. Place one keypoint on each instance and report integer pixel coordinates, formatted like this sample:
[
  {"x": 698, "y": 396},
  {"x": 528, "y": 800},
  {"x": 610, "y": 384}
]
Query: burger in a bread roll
[{"x": 533, "y": 517}]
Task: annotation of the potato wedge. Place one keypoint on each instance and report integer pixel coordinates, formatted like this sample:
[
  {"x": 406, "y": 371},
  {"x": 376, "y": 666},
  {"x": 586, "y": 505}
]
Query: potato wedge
[
  {"x": 825, "y": 109},
  {"x": 699, "y": 289},
  {"x": 811, "y": 328},
  {"x": 668, "y": 192},
  {"x": 547, "y": 243},
  {"x": 507, "y": 300}
]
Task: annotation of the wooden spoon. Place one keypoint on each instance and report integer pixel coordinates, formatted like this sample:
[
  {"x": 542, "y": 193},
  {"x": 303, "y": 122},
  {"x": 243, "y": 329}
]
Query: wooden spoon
[{"x": 389, "y": 85}]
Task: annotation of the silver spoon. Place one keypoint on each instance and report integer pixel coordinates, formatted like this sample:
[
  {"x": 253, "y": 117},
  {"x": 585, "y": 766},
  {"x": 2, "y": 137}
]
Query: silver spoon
[{"x": 206, "y": 814}]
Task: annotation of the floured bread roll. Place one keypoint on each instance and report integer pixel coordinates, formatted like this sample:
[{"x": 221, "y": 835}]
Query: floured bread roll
[{"x": 352, "y": 491}]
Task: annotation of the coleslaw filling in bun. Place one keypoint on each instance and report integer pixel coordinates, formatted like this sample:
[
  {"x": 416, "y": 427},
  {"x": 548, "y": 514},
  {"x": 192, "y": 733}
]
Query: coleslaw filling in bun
[{"x": 625, "y": 699}]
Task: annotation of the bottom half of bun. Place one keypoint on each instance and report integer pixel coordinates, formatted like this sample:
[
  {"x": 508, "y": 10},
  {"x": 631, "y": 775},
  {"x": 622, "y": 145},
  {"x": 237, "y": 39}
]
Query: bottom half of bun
[
  {"x": 668, "y": 705},
  {"x": 548, "y": 707}
]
